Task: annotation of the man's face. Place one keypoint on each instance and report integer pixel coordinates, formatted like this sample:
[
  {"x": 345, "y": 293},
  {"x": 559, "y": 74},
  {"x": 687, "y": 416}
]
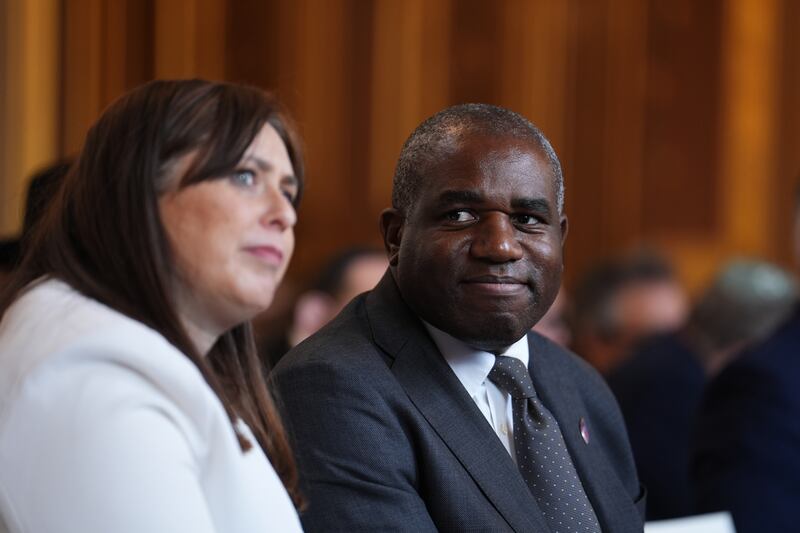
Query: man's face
[{"x": 479, "y": 253}]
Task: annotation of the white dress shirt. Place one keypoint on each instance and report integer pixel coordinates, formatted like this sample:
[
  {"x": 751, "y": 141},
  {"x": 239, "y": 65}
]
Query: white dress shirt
[
  {"x": 472, "y": 367},
  {"x": 106, "y": 427}
]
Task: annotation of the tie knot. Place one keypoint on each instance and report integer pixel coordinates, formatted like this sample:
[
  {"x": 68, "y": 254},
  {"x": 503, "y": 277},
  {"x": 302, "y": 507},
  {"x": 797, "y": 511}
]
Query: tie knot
[{"x": 511, "y": 376}]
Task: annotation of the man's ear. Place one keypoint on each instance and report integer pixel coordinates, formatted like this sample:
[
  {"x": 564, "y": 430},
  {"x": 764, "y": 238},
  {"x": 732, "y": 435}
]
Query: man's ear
[
  {"x": 564, "y": 229},
  {"x": 392, "y": 222}
]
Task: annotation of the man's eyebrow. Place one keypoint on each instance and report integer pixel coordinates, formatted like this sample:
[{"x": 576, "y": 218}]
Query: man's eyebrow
[
  {"x": 459, "y": 197},
  {"x": 539, "y": 205}
]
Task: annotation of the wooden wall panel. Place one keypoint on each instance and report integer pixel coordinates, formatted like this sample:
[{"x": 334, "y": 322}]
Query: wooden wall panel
[
  {"x": 190, "y": 38},
  {"x": 677, "y": 123},
  {"x": 583, "y": 156},
  {"x": 29, "y": 72},
  {"x": 410, "y": 80},
  {"x": 326, "y": 100},
  {"x": 683, "y": 108},
  {"x": 107, "y": 49},
  {"x": 475, "y": 52},
  {"x": 253, "y": 43},
  {"x": 621, "y": 134},
  {"x": 785, "y": 195},
  {"x": 83, "y": 97},
  {"x": 746, "y": 138},
  {"x": 537, "y": 47}
]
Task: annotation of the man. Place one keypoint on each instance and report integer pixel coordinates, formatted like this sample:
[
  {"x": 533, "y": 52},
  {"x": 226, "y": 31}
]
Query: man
[
  {"x": 623, "y": 301},
  {"x": 409, "y": 411},
  {"x": 41, "y": 189},
  {"x": 744, "y": 304},
  {"x": 349, "y": 273},
  {"x": 747, "y": 451}
]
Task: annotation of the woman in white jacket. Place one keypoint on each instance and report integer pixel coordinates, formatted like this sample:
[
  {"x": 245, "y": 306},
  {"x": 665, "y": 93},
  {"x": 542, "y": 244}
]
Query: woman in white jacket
[{"x": 131, "y": 396}]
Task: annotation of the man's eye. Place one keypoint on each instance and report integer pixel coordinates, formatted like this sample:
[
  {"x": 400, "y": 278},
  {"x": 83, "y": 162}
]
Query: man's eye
[
  {"x": 244, "y": 178},
  {"x": 526, "y": 220},
  {"x": 460, "y": 216}
]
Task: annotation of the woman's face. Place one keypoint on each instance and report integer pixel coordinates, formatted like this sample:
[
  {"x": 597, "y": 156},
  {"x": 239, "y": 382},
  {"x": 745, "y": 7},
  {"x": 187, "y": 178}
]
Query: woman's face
[{"x": 231, "y": 237}]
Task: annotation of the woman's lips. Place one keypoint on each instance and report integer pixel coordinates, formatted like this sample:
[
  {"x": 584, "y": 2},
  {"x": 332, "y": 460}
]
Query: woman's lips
[{"x": 269, "y": 254}]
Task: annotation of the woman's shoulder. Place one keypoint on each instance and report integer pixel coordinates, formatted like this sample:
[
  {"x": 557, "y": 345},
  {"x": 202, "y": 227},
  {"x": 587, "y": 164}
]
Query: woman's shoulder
[
  {"x": 107, "y": 404},
  {"x": 58, "y": 338}
]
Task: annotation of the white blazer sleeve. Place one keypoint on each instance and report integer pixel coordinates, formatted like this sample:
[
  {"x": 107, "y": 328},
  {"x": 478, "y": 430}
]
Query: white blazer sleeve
[{"x": 107, "y": 452}]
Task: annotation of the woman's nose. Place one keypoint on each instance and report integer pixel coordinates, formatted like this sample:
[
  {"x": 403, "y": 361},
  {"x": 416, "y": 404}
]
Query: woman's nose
[{"x": 279, "y": 209}]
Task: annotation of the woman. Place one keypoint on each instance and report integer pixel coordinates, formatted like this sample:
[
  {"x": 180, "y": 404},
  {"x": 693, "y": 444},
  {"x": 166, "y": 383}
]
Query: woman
[{"x": 131, "y": 397}]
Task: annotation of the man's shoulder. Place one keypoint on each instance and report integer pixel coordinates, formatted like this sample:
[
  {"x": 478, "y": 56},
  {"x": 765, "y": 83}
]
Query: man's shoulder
[
  {"x": 776, "y": 357},
  {"x": 563, "y": 361}
]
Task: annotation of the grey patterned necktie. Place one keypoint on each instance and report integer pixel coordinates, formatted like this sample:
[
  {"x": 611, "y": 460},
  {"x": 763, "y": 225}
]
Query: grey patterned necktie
[{"x": 542, "y": 456}]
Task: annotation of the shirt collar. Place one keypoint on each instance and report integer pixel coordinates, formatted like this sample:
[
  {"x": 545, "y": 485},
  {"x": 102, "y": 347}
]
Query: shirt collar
[{"x": 472, "y": 366}]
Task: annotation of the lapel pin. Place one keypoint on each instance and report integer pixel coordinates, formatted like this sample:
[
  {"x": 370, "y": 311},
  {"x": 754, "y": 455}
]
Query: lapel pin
[{"x": 584, "y": 430}]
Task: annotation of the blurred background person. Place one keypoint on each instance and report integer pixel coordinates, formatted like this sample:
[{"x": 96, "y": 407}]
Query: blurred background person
[
  {"x": 41, "y": 188},
  {"x": 9, "y": 257},
  {"x": 349, "y": 273},
  {"x": 747, "y": 449},
  {"x": 659, "y": 388},
  {"x": 622, "y": 301},
  {"x": 131, "y": 390}
]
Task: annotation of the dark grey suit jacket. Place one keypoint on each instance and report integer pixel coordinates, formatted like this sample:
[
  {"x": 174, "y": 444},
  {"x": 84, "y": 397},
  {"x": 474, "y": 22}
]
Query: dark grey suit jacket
[{"x": 387, "y": 438}]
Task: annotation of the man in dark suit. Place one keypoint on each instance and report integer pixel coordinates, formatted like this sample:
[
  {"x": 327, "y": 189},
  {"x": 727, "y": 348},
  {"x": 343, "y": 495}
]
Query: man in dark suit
[
  {"x": 409, "y": 411},
  {"x": 747, "y": 454},
  {"x": 747, "y": 450},
  {"x": 661, "y": 385}
]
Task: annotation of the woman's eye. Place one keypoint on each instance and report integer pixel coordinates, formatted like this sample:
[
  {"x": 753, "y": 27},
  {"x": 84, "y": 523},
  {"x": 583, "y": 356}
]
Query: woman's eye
[
  {"x": 244, "y": 178},
  {"x": 460, "y": 216},
  {"x": 290, "y": 195}
]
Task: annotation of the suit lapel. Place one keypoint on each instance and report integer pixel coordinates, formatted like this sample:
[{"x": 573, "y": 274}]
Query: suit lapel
[
  {"x": 560, "y": 395},
  {"x": 436, "y": 392}
]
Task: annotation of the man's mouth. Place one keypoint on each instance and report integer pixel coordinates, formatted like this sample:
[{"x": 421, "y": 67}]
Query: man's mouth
[{"x": 495, "y": 285}]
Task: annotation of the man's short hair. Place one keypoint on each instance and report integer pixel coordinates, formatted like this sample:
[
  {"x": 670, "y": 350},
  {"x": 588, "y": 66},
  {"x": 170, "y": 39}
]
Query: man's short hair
[
  {"x": 449, "y": 126},
  {"x": 745, "y": 302},
  {"x": 331, "y": 279}
]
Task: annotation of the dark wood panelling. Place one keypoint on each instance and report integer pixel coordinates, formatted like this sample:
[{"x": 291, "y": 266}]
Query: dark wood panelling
[
  {"x": 787, "y": 184},
  {"x": 584, "y": 154},
  {"x": 683, "y": 110},
  {"x": 107, "y": 49},
  {"x": 359, "y": 96},
  {"x": 253, "y": 42},
  {"x": 475, "y": 49},
  {"x": 633, "y": 90}
]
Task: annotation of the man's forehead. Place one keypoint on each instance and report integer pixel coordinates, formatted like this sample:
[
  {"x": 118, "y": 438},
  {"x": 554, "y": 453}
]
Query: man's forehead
[
  {"x": 521, "y": 167},
  {"x": 517, "y": 199}
]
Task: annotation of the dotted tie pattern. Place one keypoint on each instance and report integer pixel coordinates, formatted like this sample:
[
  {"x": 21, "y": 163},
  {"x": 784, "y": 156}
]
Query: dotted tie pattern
[{"x": 542, "y": 456}]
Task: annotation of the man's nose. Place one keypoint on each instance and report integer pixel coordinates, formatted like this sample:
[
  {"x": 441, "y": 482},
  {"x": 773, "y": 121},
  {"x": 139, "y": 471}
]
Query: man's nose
[{"x": 495, "y": 239}]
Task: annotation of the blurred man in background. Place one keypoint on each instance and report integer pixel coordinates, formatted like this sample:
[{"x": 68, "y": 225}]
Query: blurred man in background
[
  {"x": 660, "y": 386},
  {"x": 348, "y": 274},
  {"x": 747, "y": 451},
  {"x": 623, "y": 301},
  {"x": 41, "y": 189}
]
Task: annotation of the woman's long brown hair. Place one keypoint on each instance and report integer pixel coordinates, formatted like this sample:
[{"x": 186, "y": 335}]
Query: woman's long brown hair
[{"x": 103, "y": 235}]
